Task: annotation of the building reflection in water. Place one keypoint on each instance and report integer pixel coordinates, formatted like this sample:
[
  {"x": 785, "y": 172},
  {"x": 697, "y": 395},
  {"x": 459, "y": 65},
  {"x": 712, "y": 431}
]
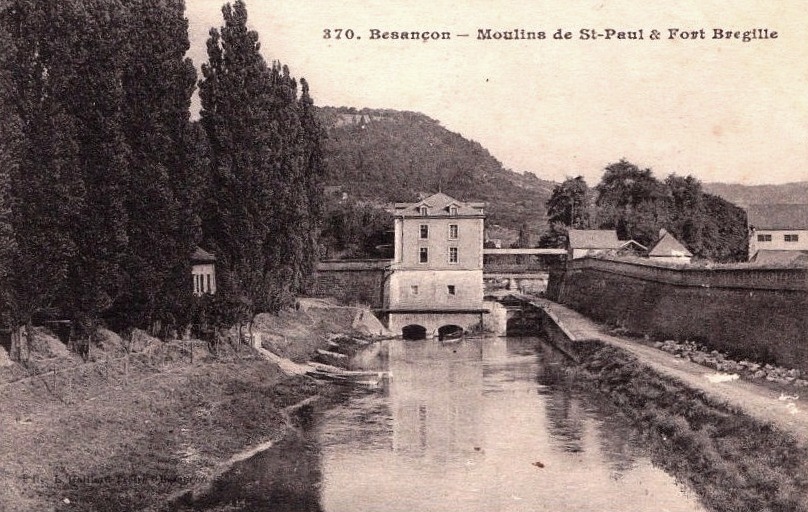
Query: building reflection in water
[
  {"x": 483, "y": 425},
  {"x": 435, "y": 396},
  {"x": 565, "y": 414},
  {"x": 480, "y": 425}
]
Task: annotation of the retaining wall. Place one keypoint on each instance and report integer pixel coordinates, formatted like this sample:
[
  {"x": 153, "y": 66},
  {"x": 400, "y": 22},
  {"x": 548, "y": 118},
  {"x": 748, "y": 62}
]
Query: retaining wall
[
  {"x": 755, "y": 313},
  {"x": 352, "y": 281}
]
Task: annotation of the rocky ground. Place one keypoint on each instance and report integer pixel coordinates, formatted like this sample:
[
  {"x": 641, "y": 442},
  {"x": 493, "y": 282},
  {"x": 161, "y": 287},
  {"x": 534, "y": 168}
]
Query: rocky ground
[{"x": 700, "y": 354}]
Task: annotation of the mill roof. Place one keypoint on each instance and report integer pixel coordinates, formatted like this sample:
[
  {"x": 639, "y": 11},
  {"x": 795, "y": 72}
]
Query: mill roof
[
  {"x": 669, "y": 246},
  {"x": 593, "y": 239},
  {"x": 438, "y": 205},
  {"x": 778, "y": 216}
]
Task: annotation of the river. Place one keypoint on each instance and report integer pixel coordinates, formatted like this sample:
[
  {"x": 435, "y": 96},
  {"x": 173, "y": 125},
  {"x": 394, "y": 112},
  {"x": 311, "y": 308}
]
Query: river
[{"x": 488, "y": 424}]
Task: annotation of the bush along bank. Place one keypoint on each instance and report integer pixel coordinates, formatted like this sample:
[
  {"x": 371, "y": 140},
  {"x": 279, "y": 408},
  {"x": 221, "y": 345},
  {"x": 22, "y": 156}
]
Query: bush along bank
[{"x": 731, "y": 461}]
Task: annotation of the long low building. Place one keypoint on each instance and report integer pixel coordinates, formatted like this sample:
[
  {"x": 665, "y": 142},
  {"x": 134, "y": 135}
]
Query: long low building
[{"x": 775, "y": 228}]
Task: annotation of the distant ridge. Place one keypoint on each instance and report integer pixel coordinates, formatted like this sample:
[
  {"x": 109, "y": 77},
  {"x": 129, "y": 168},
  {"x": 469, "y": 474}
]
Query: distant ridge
[
  {"x": 746, "y": 195},
  {"x": 389, "y": 156}
]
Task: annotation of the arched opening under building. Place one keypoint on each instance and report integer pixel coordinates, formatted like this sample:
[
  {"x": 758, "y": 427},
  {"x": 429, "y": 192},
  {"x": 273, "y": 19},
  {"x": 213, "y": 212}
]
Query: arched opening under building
[
  {"x": 413, "y": 332},
  {"x": 448, "y": 332},
  {"x": 517, "y": 325}
]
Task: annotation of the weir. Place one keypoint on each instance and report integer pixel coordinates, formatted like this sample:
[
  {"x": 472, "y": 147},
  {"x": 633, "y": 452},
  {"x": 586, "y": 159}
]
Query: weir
[{"x": 527, "y": 316}]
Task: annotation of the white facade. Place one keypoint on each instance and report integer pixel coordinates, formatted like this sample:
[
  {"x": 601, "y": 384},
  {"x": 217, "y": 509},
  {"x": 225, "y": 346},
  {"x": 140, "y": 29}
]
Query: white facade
[
  {"x": 777, "y": 227},
  {"x": 204, "y": 276},
  {"x": 436, "y": 289},
  {"x": 437, "y": 271},
  {"x": 682, "y": 259},
  {"x": 777, "y": 240}
]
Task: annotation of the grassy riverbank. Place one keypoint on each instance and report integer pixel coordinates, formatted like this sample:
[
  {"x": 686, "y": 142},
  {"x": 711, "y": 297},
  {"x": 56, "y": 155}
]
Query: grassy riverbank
[
  {"x": 733, "y": 462},
  {"x": 132, "y": 432}
]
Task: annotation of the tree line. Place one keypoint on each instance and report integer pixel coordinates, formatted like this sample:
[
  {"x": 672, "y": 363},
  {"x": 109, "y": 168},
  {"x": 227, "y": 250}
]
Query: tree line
[
  {"x": 107, "y": 185},
  {"x": 637, "y": 205}
]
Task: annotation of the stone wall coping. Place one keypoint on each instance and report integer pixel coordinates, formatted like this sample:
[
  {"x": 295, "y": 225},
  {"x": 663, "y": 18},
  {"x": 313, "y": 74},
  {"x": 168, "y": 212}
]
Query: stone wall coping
[{"x": 738, "y": 278}]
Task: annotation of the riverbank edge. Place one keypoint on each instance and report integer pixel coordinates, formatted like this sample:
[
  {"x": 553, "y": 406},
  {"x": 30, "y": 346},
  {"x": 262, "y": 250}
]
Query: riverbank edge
[
  {"x": 165, "y": 434},
  {"x": 732, "y": 460},
  {"x": 187, "y": 495}
]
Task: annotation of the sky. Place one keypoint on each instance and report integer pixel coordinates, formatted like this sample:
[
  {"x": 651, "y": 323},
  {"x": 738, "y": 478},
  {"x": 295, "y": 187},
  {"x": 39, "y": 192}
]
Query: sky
[{"x": 721, "y": 110}]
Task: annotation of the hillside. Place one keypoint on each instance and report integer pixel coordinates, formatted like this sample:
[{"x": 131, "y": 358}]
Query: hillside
[
  {"x": 744, "y": 195},
  {"x": 388, "y": 155}
]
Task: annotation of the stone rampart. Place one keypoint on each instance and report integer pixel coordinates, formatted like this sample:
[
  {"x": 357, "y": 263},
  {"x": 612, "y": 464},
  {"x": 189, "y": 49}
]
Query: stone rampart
[
  {"x": 352, "y": 281},
  {"x": 756, "y": 313}
]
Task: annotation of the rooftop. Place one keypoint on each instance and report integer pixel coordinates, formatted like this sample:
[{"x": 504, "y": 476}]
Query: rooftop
[
  {"x": 202, "y": 256},
  {"x": 669, "y": 246},
  {"x": 594, "y": 239},
  {"x": 778, "y": 216},
  {"x": 775, "y": 257},
  {"x": 439, "y": 205}
]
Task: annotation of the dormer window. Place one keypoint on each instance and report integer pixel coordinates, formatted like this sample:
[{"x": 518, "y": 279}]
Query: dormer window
[
  {"x": 423, "y": 211},
  {"x": 453, "y": 210}
]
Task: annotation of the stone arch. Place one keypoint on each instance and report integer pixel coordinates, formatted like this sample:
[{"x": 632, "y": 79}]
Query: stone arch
[
  {"x": 516, "y": 325},
  {"x": 413, "y": 332},
  {"x": 449, "y": 331}
]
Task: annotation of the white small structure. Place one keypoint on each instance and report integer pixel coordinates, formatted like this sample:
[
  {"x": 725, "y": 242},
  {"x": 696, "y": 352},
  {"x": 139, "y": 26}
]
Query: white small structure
[
  {"x": 668, "y": 249},
  {"x": 588, "y": 242},
  {"x": 775, "y": 228},
  {"x": 203, "y": 271}
]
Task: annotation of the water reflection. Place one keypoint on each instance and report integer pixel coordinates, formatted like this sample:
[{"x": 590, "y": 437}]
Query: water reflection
[
  {"x": 481, "y": 425},
  {"x": 486, "y": 425},
  {"x": 285, "y": 478},
  {"x": 434, "y": 398}
]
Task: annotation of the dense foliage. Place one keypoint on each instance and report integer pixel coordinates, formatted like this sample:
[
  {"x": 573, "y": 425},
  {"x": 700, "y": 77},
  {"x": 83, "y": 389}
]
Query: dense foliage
[
  {"x": 265, "y": 166},
  {"x": 637, "y": 205},
  {"x": 106, "y": 186},
  {"x": 388, "y": 156},
  {"x": 353, "y": 229}
]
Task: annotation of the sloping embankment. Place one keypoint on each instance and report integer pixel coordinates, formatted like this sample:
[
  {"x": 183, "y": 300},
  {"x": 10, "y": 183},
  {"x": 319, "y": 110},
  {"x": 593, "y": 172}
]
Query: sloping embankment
[
  {"x": 733, "y": 459},
  {"x": 130, "y": 432}
]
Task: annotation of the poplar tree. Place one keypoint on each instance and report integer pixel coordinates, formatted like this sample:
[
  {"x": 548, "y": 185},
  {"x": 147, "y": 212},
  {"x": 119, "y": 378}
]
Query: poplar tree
[
  {"x": 158, "y": 81},
  {"x": 241, "y": 222},
  {"x": 261, "y": 218},
  {"x": 290, "y": 223},
  {"x": 43, "y": 189},
  {"x": 85, "y": 50},
  {"x": 314, "y": 173}
]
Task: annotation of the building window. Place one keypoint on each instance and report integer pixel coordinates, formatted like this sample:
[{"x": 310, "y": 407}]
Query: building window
[
  {"x": 451, "y": 289},
  {"x": 423, "y": 255},
  {"x": 423, "y": 211},
  {"x": 452, "y": 254},
  {"x": 791, "y": 238},
  {"x": 764, "y": 238},
  {"x": 453, "y": 231},
  {"x": 414, "y": 289},
  {"x": 424, "y": 231},
  {"x": 453, "y": 210}
]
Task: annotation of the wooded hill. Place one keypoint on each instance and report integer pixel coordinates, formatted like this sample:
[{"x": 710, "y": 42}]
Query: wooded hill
[{"x": 389, "y": 155}]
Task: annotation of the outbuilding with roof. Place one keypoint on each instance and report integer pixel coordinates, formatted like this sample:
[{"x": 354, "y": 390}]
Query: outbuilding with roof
[{"x": 777, "y": 227}]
